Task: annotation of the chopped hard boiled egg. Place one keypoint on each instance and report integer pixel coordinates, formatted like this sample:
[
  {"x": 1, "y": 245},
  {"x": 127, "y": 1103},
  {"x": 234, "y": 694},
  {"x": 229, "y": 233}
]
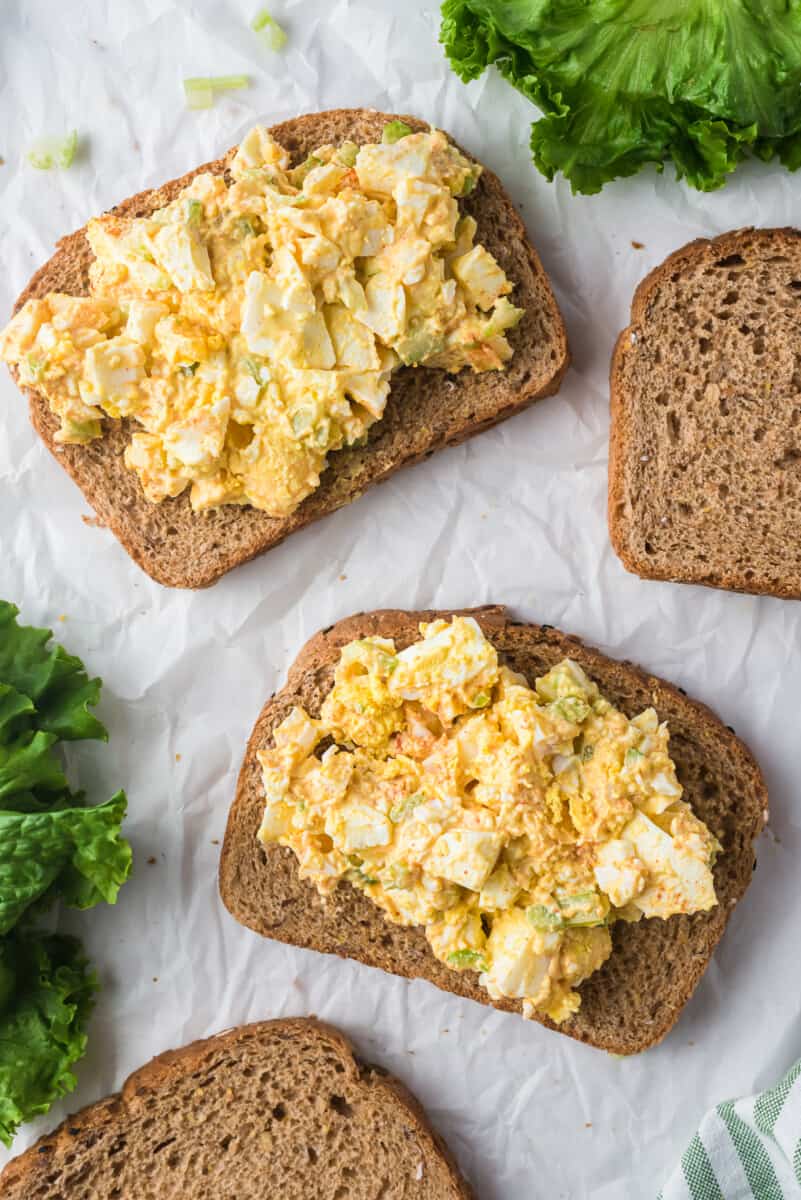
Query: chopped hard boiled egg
[
  {"x": 515, "y": 824},
  {"x": 251, "y": 328}
]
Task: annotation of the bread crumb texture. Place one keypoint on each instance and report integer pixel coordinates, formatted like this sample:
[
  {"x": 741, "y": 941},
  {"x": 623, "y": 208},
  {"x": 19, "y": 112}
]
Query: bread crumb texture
[
  {"x": 282, "y": 1108},
  {"x": 705, "y": 452}
]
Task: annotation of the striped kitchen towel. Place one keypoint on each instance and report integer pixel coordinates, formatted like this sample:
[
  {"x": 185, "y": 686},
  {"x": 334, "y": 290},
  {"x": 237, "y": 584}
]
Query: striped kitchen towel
[{"x": 745, "y": 1149}]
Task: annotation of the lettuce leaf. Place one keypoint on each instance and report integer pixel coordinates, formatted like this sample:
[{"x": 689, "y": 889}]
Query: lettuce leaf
[
  {"x": 46, "y": 996},
  {"x": 622, "y": 83},
  {"x": 78, "y": 850},
  {"x": 52, "y": 847},
  {"x": 54, "y": 680}
]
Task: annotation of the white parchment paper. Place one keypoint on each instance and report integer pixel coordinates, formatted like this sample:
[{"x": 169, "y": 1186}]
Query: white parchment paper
[{"x": 516, "y": 515}]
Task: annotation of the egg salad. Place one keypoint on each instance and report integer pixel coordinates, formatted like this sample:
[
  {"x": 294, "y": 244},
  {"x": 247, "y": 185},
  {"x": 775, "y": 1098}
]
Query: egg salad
[
  {"x": 252, "y": 325},
  {"x": 516, "y": 824}
]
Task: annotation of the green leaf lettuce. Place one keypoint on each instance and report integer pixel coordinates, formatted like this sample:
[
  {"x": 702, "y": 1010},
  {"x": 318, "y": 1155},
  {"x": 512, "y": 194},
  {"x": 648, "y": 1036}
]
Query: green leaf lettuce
[
  {"x": 46, "y": 996},
  {"x": 78, "y": 850},
  {"x": 622, "y": 83},
  {"x": 52, "y": 847},
  {"x": 54, "y": 680}
]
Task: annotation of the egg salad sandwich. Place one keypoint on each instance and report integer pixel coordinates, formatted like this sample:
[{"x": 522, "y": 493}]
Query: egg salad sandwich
[
  {"x": 499, "y": 810},
  {"x": 279, "y": 1108},
  {"x": 222, "y": 360}
]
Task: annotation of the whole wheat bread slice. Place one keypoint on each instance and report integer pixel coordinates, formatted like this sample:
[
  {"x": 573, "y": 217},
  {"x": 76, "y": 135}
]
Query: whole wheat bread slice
[
  {"x": 632, "y": 1002},
  {"x": 427, "y": 408},
  {"x": 278, "y": 1110},
  {"x": 705, "y": 451}
]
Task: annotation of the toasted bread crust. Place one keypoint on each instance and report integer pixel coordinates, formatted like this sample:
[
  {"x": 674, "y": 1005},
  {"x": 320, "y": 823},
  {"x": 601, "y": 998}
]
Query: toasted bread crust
[
  {"x": 426, "y": 411},
  {"x": 624, "y": 414},
  {"x": 158, "y": 1078},
  {"x": 636, "y": 998}
]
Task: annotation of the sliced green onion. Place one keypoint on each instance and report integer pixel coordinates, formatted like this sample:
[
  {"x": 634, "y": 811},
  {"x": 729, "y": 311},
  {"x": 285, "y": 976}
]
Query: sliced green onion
[
  {"x": 244, "y": 227},
  {"x": 257, "y": 370},
  {"x": 361, "y": 878},
  {"x": 302, "y": 420},
  {"x": 194, "y": 212},
  {"x": 544, "y": 918},
  {"x": 346, "y": 154},
  {"x": 228, "y": 83},
  {"x": 308, "y": 164},
  {"x": 394, "y": 131},
  {"x": 468, "y": 958},
  {"x": 66, "y": 153},
  {"x": 199, "y": 93},
  {"x": 199, "y": 90},
  {"x": 406, "y": 805},
  {"x": 584, "y": 908},
  {"x": 268, "y": 30},
  {"x": 571, "y": 708},
  {"x": 54, "y": 152}
]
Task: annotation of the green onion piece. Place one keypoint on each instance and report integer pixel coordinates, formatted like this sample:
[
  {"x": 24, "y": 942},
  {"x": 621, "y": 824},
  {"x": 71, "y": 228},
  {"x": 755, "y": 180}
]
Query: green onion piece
[
  {"x": 194, "y": 212},
  {"x": 302, "y": 421},
  {"x": 228, "y": 83},
  {"x": 66, "y": 152},
  {"x": 54, "y": 152},
  {"x": 572, "y": 709},
  {"x": 188, "y": 368},
  {"x": 394, "y": 131},
  {"x": 309, "y": 163},
  {"x": 198, "y": 93},
  {"x": 480, "y": 700},
  {"x": 544, "y": 918},
  {"x": 581, "y": 909},
  {"x": 468, "y": 958},
  {"x": 256, "y": 369},
  {"x": 268, "y": 30},
  {"x": 199, "y": 90},
  {"x": 633, "y": 756},
  {"x": 406, "y": 805},
  {"x": 244, "y": 227},
  {"x": 346, "y": 154}
]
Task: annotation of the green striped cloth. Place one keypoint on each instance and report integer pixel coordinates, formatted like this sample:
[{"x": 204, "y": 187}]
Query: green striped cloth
[{"x": 745, "y": 1149}]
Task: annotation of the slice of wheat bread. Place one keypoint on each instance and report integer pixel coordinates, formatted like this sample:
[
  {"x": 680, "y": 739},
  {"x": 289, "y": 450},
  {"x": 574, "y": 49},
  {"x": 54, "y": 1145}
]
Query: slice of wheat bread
[
  {"x": 427, "y": 409},
  {"x": 632, "y": 1002},
  {"x": 705, "y": 447},
  {"x": 280, "y": 1109}
]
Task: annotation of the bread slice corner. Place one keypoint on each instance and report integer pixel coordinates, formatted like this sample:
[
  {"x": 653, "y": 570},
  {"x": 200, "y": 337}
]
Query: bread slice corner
[
  {"x": 280, "y": 1108},
  {"x": 705, "y": 441},
  {"x": 426, "y": 411},
  {"x": 639, "y": 993}
]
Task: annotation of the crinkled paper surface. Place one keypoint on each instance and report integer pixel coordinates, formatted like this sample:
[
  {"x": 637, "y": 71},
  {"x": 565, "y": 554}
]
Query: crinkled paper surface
[{"x": 516, "y": 515}]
